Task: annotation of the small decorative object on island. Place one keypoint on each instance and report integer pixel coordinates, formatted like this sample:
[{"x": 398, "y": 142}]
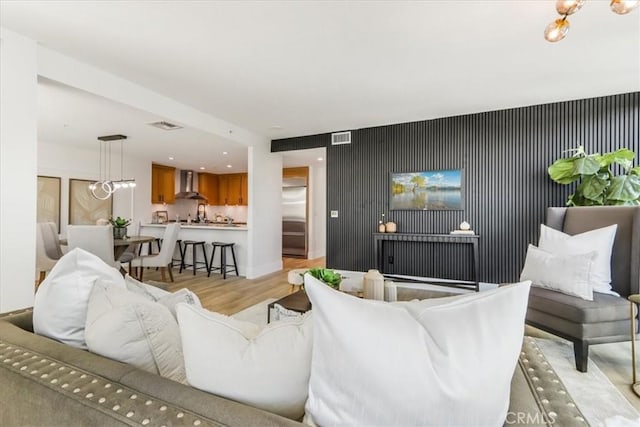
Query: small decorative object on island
[
  {"x": 598, "y": 185},
  {"x": 464, "y": 225},
  {"x": 373, "y": 285},
  {"x": 119, "y": 227},
  {"x": 327, "y": 276},
  {"x": 390, "y": 227}
]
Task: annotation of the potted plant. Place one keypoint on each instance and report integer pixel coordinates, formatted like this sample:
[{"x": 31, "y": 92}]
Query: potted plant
[
  {"x": 326, "y": 276},
  {"x": 598, "y": 184},
  {"x": 119, "y": 227}
]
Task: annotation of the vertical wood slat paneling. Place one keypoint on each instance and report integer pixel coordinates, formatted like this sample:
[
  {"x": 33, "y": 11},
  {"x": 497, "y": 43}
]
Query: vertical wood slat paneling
[{"x": 504, "y": 154}]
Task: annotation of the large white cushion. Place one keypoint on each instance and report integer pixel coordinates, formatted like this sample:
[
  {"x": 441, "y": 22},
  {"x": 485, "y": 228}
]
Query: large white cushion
[
  {"x": 600, "y": 240},
  {"x": 419, "y": 363},
  {"x": 568, "y": 274},
  {"x": 264, "y": 367},
  {"x": 60, "y": 306},
  {"x": 127, "y": 327},
  {"x": 168, "y": 299}
]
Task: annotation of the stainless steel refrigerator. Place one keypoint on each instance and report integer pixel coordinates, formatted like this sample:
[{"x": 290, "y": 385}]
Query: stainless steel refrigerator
[{"x": 294, "y": 218}]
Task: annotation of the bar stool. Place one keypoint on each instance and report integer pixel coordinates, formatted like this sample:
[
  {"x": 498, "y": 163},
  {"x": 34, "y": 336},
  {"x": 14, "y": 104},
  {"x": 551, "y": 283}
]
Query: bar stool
[
  {"x": 194, "y": 259},
  {"x": 175, "y": 262},
  {"x": 223, "y": 259},
  {"x": 157, "y": 241}
]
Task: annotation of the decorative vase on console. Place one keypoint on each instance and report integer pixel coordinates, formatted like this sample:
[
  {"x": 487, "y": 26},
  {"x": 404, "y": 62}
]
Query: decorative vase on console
[
  {"x": 381, "y": 225},
  {"x": 390, "y": 227}
]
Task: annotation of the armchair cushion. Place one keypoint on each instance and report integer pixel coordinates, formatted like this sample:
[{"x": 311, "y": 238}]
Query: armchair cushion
[{"x": 603, "y": 308}]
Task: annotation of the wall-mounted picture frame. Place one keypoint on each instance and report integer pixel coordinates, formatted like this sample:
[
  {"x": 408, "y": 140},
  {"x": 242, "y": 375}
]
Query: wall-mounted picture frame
[
  {"x": 430, "y": 190},
  {"x": 49, "y": 200},
  {"x": 83, "y": 207}
]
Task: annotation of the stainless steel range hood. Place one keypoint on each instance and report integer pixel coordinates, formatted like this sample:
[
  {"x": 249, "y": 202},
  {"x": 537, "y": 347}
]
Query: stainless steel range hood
[{"x": 186, "y": 187}]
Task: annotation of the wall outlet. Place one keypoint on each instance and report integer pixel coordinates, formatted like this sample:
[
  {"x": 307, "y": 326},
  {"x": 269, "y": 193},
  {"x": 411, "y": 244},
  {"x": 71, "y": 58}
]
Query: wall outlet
[{"x": 334, "y": 214}]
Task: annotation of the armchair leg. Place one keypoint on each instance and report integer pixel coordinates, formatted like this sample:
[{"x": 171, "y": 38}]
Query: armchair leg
[
  {"x": 581, "y": 353},
  {"x": 170, "y": 272}
]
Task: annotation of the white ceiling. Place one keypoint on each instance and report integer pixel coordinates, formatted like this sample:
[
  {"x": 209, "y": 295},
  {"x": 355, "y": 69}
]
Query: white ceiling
[{"x": 286, "y": 69}]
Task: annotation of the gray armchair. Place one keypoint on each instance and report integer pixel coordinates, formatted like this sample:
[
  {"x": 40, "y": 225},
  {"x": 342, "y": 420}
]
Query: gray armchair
[{"x": 606, "y": 318}]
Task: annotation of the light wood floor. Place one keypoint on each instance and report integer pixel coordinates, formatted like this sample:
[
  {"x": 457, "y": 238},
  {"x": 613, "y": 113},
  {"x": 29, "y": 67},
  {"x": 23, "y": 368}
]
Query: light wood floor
[{"x": 237, "y": 293}]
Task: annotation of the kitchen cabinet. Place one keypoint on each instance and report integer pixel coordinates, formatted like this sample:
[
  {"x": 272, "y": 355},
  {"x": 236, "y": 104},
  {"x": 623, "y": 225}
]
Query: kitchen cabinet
[
  {"x": 233, "y": 189},
  {"x": 163, "y": 184},
  {"x": 208, "y": 187}
]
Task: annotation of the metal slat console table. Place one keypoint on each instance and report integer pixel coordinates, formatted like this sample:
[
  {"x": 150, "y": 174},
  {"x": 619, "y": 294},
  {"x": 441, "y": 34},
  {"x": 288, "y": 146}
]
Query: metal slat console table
[{"x": 380, "y": 238}]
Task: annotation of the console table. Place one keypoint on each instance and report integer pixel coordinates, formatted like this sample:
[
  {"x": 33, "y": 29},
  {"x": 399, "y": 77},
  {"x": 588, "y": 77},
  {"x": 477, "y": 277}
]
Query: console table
[{"x": 469, "y": 239}]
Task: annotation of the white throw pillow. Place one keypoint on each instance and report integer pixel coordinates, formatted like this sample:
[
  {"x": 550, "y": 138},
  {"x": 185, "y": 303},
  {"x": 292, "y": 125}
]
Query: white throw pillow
[
  {"x": 381, "y": 364},
  {"x": 568, "y": 274},
  {"x": 161, "y": 296},
  {"x": 60, "y": 306},
  {"x": 600, "y": 240},
  {"x": 266, "y": 367},
  {"x": 127, "y": 327}
]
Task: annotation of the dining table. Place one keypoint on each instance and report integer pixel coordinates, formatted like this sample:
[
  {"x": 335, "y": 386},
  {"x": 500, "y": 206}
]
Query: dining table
[{"x": 121, "y": 245}]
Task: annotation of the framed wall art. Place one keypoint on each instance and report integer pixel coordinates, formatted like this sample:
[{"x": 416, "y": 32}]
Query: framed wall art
[
  {"x": 83, "y": 207},
  {"x": 431, "y": 190},
  {"x": 49, "y": 200}
]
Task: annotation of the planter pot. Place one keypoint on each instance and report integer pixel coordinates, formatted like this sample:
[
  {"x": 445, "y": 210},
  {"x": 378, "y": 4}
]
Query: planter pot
[{"x": 119, "y": 233}]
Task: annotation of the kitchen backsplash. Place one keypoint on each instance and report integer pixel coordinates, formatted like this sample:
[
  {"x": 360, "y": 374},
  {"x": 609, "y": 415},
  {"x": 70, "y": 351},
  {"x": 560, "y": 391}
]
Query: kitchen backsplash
[{"x": 185, "y": 207}]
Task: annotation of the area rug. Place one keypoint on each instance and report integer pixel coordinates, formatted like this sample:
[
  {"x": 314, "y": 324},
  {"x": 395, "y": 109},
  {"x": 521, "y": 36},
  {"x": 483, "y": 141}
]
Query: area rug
[{"x": 597, "y": 401}]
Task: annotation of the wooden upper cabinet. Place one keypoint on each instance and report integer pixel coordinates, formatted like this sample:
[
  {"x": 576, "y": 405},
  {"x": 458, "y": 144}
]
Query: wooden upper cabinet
[
  {"x": 163, "y": 184},
  {"x": 208, "y": 187},
  {"x": 223, "y": 190},
  {"x": 244, "y": 189},
  {"x": 233, "y": 189}
]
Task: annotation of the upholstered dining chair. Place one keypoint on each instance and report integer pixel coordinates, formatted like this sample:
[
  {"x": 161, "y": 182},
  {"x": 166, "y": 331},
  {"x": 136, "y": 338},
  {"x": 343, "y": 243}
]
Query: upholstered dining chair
[
  {"x": 48, "y": 250},
  {"x": 606, "y": 318},
  {"x": 163, "y": 259},
  {"x": 96, "y": 239}
]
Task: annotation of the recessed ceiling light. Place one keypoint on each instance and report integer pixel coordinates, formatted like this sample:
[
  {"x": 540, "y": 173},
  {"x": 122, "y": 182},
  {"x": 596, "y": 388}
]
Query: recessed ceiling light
[
  {"x": 170, "y": 158},
  {"x": 320, "y": 159},
  {"x": 224, "y": 153},
  {"x": 229, "y": 166},
  {"x": 201, "y": 168},
  {"x": 276, "y": 127}
]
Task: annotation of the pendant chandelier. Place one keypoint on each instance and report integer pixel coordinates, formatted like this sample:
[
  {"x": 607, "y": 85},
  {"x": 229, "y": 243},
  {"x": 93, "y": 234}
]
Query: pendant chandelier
[
  {"x": 106, "y": 186},
  {"x": 559, "y": 28}
]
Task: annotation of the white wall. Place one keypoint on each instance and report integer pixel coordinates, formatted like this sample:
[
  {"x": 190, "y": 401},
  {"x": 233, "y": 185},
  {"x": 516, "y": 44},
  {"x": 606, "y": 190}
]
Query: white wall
[
  {"x": 265, "y": 211},
  {"x": 18, "y": 157},
  {"x": 72, "y": 162},
  {"x": 317, "y": 211}
]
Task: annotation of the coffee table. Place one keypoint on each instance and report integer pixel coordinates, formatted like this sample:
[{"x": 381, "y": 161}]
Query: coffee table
[{"x": 297, "y": 301}]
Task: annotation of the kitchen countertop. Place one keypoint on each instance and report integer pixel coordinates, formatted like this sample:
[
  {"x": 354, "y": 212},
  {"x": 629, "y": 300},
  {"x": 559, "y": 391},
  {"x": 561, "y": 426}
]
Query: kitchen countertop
[{"x": 204, "y": 226}]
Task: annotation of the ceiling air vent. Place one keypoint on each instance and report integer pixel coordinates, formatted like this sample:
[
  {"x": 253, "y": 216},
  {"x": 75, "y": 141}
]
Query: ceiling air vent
[
  {"x": 340, "y": 138},
  {"x": 165, "y": 125}
]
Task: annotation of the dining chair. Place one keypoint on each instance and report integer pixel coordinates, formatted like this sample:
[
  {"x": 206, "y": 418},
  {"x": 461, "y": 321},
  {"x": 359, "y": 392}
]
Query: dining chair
[
  {"x": 132, "y": 250},
  {"x": 97, "y": 239},
  {"x": 163, "y": 259},
  {"x": 48, "y": 250}
]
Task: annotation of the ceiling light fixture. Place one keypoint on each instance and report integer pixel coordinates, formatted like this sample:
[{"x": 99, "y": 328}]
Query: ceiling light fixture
[
  {"x": 559, "y": 28},
  {"x": 320, "y": 159},
  {"x": 170, "y": 158},
  {"x": 104, "y": 187},
  {"x": 229, "y": 166},
  {"x": 224, "y": 153},
  {"x": 201, "y": 168}
]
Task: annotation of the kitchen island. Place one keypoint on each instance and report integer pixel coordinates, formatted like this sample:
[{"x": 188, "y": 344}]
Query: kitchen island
[{"x": 207, "y": 233}]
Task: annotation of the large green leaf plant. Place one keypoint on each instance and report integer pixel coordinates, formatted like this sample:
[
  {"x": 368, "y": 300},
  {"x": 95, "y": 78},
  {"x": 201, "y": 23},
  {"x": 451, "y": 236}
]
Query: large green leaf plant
[{"x": 598, "y": 185}]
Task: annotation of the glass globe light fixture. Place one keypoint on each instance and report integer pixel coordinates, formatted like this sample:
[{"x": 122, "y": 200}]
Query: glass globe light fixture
[
  {"x": 622, "y": 7},
  {"x": 557, "y": 30},
  {"x": 567, "y": 7}
]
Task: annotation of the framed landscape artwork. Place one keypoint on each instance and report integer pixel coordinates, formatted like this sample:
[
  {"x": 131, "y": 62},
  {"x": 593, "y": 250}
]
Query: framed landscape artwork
[
  {"x": 83, "y": 207},
  {"x": 49, "y": 200},
  {"x": 437, "y": 190}
]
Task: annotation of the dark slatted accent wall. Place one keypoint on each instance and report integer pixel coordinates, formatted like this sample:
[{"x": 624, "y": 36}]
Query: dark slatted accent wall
[{"x": 504, "y": 155}]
